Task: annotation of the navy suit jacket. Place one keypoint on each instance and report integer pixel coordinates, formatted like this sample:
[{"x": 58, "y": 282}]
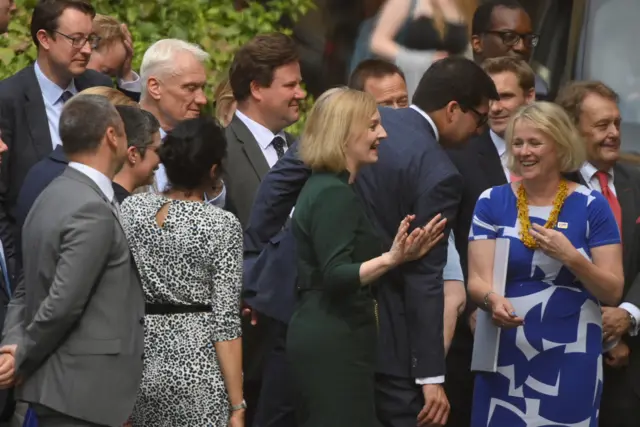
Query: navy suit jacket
[{"x": 412, "y": 176}]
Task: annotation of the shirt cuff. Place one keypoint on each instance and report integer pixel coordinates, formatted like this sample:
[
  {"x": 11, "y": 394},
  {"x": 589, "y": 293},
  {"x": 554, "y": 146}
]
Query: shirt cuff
[
  {"x": 635, "y": 312},
  {"x": 430, "y": 380},
  {"x": 608, "y": 346},
  {"x": 132, "y": 85}
]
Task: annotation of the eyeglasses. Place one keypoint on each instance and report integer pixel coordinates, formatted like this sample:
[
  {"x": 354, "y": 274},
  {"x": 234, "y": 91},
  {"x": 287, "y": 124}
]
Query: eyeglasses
[
  {"x": 483, "y": 118},
  {"x": 78, "y": 42},
  {"x": 511, "y": 38}
]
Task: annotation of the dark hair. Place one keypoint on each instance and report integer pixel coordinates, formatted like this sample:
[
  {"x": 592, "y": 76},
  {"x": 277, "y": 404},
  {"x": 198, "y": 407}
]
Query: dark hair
[
  {"x": 573, "y": 94},
  {"x": 482, "y": 18},
  {"x": 139, "y": 125},
  {"x": 519, "y": 67},
  {"x": 372, "y": 68},
  {"x": 191, "y": 149},
  {"x": 454, "y": 79},
  {"x": 84, "y": 122},
  {"x": 47, "y": 12},
  {"x": 257, "y": 60}
]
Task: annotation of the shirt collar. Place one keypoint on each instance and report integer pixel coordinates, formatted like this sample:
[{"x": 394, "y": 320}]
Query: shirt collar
[
  {"x": 500, "y": 144},
  {"x": 163, "y": 134},
  {"x": 101, "y": 180},
  {"x": 588, "y": 171},
  {"x": 429, "y": 119},
  {"x": 262, "y": 135},
  {"x": 51, "y": 91}
]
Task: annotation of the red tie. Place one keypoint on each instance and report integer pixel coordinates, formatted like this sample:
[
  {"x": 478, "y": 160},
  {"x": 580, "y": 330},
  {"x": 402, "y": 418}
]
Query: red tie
[
  {"x": 514, "y": 178},
  {"x": 603, "y": 178}
]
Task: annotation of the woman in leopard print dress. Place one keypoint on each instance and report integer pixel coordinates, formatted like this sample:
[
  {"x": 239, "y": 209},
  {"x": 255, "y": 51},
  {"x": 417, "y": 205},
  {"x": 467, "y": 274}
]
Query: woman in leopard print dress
[{"x": 189, "y": 255}]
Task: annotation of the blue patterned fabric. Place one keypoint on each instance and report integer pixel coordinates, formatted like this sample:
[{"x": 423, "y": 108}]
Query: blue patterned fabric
[{"x": 550, "y": 369}]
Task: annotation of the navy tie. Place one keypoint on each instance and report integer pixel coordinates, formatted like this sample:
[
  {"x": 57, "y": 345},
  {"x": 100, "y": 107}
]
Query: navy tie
[
  {"x": 279, "y": 144},
  {"x": 66, "y": 95}
]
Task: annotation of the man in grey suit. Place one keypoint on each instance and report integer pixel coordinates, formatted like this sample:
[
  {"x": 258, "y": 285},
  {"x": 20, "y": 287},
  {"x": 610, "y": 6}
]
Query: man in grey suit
[{"x": 74, "y": 334}]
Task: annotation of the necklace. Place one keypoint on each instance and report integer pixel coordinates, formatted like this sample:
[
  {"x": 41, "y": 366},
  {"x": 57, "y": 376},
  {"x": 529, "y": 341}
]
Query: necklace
[{"x": 523, "y": 213}]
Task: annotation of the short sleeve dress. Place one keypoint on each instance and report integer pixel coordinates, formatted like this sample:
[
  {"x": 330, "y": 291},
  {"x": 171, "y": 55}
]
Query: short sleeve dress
[{"x": 550, "y": 369}]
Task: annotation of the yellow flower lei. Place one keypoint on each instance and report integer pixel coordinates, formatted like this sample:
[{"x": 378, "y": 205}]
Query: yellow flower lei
[{"x": 523, "y": 213}]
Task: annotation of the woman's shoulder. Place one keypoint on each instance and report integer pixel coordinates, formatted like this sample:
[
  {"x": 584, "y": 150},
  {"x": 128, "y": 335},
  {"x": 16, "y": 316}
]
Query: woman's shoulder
[
  {"x": 589, "y": 196},
  {"x": 139, "y": 201},
  {"x": 497, "y": 193}
]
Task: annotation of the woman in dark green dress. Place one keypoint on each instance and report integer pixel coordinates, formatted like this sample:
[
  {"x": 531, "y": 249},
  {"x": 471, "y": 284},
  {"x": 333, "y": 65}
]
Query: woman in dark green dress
[{"x": 331, "y": 341}]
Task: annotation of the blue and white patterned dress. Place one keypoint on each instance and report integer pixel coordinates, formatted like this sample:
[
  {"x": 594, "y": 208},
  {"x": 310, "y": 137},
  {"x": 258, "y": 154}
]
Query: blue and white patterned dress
[{"x": 550, "y": 369}]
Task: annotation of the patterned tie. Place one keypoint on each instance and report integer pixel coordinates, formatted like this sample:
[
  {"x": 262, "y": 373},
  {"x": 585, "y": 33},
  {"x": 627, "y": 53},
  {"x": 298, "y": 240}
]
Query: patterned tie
[
  {"x": 603, "y": 179},
  {"x": 66, "y": 95},
  {"x": 279, "y": 144}
]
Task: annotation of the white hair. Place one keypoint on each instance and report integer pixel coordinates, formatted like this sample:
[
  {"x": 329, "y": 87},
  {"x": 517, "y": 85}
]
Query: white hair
[{"x": 160, "y": 59}]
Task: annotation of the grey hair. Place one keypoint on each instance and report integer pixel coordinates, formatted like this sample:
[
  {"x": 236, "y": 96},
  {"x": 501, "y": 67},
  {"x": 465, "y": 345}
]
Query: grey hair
[
  {"x": 139, "y": 125},
  {"x": 160, "y": 59},
  {"x": 84, "y": 122}
]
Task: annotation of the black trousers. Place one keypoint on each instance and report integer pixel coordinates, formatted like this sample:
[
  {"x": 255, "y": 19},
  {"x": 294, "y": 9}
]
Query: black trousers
[
  {"x": 49, "y": 418},
  {"x": 620, "y": 405},
  {"x": 276, "y": 407},
  {"x": 255, "y": 344},
  {"x": 398, "y": 401}
]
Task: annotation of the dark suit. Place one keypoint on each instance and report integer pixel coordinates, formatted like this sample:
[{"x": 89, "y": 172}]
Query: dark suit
[
  {"x": 25, "y": 130},
  {"x": 243, "y": 169},
  {"x": 481, "y": 168},
  {"x": 413, "y": 175},
  {"x": 620, "y": 405}
]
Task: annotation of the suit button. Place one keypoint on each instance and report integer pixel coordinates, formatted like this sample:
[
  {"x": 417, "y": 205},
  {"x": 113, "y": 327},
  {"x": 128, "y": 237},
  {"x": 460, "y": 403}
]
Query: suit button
[
  {"x": 142, "y": 320},
  {"x": 414, "y": 362}
]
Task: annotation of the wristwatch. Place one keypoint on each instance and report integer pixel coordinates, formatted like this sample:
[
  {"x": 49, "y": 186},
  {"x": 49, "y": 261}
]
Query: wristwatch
[
  {"x": 242, "y": 405},
  {"x": 632, "y": 321}
]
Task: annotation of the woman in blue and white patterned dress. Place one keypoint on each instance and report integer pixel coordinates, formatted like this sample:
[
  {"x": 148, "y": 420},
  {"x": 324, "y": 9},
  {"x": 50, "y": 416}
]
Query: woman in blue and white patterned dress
[{"x": 549, "y": 370}]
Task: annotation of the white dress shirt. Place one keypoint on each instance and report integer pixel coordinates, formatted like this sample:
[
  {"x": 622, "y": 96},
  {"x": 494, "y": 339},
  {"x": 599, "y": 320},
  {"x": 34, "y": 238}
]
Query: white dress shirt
[
  {"x": 264, "y": 137},
  {"x": 501, "y": 147},
  {"x": 134, "y": 85},
  {"x": 588, "y": 173},
  {"x": 102, "y": 181},
  {"x": 51, "y": 95}
]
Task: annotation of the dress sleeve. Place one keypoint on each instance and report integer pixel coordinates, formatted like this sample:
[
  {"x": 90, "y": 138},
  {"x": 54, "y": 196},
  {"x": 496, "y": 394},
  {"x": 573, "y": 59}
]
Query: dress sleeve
[
  {"x": 334, "y": 220},
  {"x": 602, "y": 228},
  {"x": 483, "y": 224},
  {"x": 227, "y": 279}
]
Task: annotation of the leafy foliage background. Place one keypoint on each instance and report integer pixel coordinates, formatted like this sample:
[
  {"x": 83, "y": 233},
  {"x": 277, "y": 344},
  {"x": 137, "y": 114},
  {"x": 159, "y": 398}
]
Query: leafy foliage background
[{"x": 213, "y": 24}]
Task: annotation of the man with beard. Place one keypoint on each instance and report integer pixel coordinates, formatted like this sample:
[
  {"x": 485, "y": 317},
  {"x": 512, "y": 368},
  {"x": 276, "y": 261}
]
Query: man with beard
[
  {"x": 482, "y": 164},
  {"x": 31, "y": 100},
  {"x": 594, "y": 108},
  {"x": 7, "y": 8}
]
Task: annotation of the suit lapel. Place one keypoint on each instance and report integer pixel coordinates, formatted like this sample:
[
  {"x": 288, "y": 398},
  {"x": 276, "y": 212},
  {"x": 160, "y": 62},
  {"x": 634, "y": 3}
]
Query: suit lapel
[
  {"x": 490, "y": 162},
  {"x": 37, "y": 115},
  {"x": 250, "y": 147},
  {"x": 626, "y": 198}
]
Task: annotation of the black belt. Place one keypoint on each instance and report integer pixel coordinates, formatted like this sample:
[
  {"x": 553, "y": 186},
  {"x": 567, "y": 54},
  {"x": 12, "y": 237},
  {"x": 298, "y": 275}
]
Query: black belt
[{"x": 175, "y": 309}]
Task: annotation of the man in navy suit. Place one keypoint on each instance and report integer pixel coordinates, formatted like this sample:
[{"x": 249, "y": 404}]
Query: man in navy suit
[
  {"x": 413, "y": 176},
  {"x": 32, "y": 99}
]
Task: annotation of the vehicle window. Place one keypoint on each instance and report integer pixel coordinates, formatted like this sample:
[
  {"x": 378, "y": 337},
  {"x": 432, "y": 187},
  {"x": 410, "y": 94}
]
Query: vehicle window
[{"x": 612, "y": 34}]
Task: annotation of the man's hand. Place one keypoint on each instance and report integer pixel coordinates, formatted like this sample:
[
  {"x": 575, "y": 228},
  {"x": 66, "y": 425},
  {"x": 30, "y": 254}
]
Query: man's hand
[
  {"x": 7, "y": 366},
  {"x": 618, "y": 356},
  {"x": 126, "y": 73},
  {"x": 473, "y": 318},
  {"x": 436, "y": 406},
  {"x": 615, "y": 323}
]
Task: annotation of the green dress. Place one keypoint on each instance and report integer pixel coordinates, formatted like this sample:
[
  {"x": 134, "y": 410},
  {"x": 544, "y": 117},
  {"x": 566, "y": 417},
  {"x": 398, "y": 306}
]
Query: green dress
[{"x": 331, "y": 342}]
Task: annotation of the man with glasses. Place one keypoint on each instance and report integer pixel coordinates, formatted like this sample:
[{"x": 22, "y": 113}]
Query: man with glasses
[
  {"x": 31, "y": 101},
  {"x": 504, "y": 28}
]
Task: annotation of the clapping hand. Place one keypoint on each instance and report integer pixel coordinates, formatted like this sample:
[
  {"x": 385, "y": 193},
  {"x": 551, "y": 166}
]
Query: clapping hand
[
  {"x": 7, "y": 366},
  {"x": 412, "y": 246}
]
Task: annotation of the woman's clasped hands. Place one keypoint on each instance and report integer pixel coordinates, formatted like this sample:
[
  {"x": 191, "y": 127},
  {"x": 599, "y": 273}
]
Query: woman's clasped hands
[{"x": 412, "y": 246}]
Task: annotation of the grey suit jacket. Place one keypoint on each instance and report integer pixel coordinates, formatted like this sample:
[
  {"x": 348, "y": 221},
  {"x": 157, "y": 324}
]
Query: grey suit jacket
[
  {"x": 243, "y": 168},
  {"x": 77, "y": 315}
]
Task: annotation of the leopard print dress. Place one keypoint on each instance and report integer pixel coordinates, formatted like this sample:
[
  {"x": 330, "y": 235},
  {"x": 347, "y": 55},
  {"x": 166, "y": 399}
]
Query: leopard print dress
[{"x": 194, "y": 258}]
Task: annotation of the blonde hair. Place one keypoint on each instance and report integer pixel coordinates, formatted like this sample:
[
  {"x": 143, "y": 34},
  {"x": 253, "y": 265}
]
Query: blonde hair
[
  {"x": 224, "y": 101},
  {"x": 108, "y": 29},
  {"x": 553, "y": 121},
  {"x": 337, "y": 116},
  {"x": 114, "y": 96}
]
